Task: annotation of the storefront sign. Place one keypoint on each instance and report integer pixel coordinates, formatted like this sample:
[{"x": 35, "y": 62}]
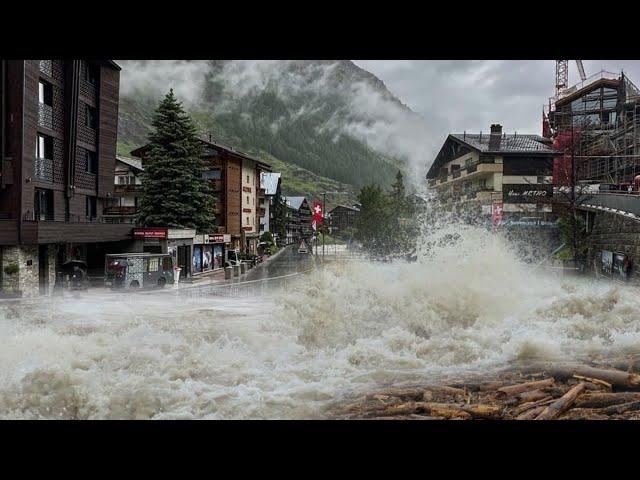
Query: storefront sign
[
  {"x": 527, "y": 193},
  {"x": 149, "y": 233},
  {"x": 219, "y": 238}
]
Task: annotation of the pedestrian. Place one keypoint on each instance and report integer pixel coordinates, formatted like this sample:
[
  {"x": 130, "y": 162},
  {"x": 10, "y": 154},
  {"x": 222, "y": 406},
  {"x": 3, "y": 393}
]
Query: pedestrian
[{"x": 630, "y": 189}]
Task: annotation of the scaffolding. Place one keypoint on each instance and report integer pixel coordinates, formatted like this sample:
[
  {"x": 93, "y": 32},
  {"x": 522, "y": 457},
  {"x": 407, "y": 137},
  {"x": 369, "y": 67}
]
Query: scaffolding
[{"x": 605, "y": 113}]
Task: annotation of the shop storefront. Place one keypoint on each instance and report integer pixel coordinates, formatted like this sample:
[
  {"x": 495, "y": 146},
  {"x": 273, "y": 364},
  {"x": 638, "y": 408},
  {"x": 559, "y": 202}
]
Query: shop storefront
[
  {"x": 177, "y": 242},
  {"x": 208, "y": 252}
]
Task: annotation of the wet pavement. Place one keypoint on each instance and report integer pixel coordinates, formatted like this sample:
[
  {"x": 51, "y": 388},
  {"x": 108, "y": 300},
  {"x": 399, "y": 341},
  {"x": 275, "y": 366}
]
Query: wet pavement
[{"x": 286, "y": 262}]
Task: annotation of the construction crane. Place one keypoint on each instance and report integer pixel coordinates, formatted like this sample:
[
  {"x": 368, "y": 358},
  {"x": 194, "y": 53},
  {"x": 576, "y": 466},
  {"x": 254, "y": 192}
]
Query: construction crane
[{"x": 562, "y": 75}]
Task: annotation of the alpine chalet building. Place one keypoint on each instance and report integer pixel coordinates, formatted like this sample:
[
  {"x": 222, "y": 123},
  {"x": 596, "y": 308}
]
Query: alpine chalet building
[{"x": 475, "y": 175}]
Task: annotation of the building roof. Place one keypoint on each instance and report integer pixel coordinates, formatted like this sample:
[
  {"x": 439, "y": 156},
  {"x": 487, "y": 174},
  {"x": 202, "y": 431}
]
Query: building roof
[
  {"x": 134, "y": 163},
  {"x": 140, "y": 152},
  {"x": 269, "y": 181},
  {"x": 344, "y": 206},
  {"x": 509, "y": 143},
  {"x": 294, "y": 202}
]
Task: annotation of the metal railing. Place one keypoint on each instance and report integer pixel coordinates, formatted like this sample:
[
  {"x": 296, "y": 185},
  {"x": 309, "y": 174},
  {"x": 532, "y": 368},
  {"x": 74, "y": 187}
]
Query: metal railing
[{"x": 624, "y": 204}]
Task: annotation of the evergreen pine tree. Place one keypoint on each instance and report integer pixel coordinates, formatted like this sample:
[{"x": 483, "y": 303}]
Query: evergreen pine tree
[{"x": 174, "y": 191}]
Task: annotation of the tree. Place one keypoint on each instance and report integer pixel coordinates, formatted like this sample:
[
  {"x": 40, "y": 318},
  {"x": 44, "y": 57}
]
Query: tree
[
  {"x": 174, "y": 192},
  {"x": 375, "y": 221}
]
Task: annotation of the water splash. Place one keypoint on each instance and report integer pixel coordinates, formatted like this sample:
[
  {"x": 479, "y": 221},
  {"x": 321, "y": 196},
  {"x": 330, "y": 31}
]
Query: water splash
[{"x": 469, "y": 304}]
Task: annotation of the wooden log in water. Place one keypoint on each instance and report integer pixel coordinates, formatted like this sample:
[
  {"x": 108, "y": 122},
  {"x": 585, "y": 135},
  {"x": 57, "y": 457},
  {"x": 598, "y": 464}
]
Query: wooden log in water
[
  {"x": 606, "y": 399},
  {"x": 562, "y": 404},
  {"x": 525, "y": 387},
  {"x": 617, "y": 378}
]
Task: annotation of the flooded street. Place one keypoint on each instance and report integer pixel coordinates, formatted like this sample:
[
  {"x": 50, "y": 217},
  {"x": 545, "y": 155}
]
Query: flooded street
[{"x": 297, "y": 348}]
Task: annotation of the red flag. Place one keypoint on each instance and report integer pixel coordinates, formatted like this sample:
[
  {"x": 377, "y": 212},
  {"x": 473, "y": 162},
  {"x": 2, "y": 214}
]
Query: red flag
[{"x": 317, "y": 213}]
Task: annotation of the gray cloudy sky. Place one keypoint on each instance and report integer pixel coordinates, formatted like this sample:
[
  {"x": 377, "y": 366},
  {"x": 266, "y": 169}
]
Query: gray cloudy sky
[{"x": 459, "y": 95}]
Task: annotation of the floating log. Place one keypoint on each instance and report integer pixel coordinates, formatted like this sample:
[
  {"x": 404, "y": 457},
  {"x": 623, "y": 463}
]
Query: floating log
[
  {"x": 531, "y": 413},
  {"x": 525, "y": 387},
  {"x": 529, "y": 405},
  {"x": 605, "y": 399},
  {"x": 562, "y": 404},
  {"x": 594, "y": 381},
  {"x": 617, "y": 378}
]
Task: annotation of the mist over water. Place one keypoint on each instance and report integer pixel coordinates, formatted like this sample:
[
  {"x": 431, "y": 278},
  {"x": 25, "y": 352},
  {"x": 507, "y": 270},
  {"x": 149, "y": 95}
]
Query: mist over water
[{"x": 469, "y": 305}]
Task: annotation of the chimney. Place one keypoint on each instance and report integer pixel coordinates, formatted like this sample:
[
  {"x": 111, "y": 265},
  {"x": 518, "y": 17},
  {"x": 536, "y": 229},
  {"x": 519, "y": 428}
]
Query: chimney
[{"x": 495, "y": 137}]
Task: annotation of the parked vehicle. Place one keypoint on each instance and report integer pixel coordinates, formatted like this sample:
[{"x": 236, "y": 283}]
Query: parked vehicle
[
  {"x": 75, "y": 274},
  {"x": 232, "y": 258},
  {"x": 138, "y": 270}
]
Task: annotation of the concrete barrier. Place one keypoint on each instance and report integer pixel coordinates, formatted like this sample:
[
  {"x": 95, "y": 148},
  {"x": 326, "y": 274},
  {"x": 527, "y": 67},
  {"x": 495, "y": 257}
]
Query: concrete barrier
[
  {"x": 243, "y": 268},
  {"x": 236, "y": 270},
  {"x": 228, "y": 271}
]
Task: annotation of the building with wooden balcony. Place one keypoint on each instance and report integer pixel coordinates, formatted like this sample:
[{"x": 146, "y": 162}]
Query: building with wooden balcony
[
  {"x": 298, "y": 225},
  {"x": 473, "y": 173},
  {"x": 270, "y": 183},
  {"x": 122, "y": 205},
  {"x": 235, "y": 179},
  {"x": 58, "y": 122}
]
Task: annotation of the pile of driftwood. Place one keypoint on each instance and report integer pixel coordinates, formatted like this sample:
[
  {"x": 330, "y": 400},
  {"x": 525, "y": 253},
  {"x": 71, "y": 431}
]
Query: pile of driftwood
[{"x": 537, "y": 392}]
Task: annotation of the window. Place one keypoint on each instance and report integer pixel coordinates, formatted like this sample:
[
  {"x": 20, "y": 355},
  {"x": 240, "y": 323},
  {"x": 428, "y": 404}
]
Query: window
[
  {"x": 248, "y": 201},
  {"x": 91, "y": 117},
  {"x": 45, "y": 93},
  {"x": 122, "y": 180},
  {"x": 92, "y": 162},
  {"x": 44, "y": 147},
  {"x": 248, "y": 181},
  {"x": 247, "y": 220},
  {"x": 93, "y": 74},
  {"x": 91, "y": 207},
  {"x": 43, "y": 204}
]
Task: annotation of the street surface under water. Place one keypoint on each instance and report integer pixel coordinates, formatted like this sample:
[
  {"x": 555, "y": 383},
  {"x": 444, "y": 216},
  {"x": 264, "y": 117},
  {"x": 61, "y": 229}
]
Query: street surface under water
[{"x": 305, "y": 343}]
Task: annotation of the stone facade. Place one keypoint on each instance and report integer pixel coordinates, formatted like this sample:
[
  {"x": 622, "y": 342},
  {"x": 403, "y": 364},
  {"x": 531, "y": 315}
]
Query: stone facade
[
  {"x": 25, "y": 280},
  {"x": 614, "y": 233}
]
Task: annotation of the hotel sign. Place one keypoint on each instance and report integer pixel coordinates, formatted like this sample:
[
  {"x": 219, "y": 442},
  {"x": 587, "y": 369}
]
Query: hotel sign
[
  {"x": 527, "y": 193},
  {"x": 142, "y": 233}
]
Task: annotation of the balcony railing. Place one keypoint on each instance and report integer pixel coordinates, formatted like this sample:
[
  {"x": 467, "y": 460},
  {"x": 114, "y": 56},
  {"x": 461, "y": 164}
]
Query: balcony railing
[
  {"x": 30, "y": 216},
  {"x": 44, "y": 169},
  {"x": 127, "y": 188},
  {"x": 45, "y": 116},
  {"x": 120, "y": 210}
]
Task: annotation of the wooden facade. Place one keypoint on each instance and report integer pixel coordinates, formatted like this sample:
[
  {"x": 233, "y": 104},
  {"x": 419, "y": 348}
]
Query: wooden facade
[
  {"x": 224, "y": 169},
  {"x": 59, "y": 124}
]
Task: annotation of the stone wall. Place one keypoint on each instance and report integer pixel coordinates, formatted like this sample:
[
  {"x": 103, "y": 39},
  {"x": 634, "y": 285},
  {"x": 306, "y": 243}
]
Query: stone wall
[
  {"x": 26, "y": 279},
  {"x": 614, "y": 233}
]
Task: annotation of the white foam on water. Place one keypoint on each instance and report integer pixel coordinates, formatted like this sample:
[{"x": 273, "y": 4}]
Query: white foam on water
[{"x": 468, "y": 305}]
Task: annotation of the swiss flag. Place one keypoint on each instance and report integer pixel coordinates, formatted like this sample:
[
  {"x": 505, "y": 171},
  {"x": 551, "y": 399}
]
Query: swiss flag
[
  {"x": 496, "y": 211},
  {"x": 317, "y": 213}
]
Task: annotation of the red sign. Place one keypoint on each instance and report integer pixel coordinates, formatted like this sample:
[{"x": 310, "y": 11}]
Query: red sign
[
  {"x": 150, "y": 233},
  {"x": 317, "y": 212},
  {"x": 496, "y": 212}
]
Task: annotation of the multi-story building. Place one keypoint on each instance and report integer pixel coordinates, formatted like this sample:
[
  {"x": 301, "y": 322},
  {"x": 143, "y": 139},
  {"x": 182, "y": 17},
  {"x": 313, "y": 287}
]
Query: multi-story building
[
  {"x": 600, "y": 117},
  {"x": 270, "y": 183},
  {"x": 235, "y": 177},
  {"x": 474, "y": 174},
  {"x": 58, "y": 121},
  {"x": 298, "y": 226},
  {"x": 122, "y": 206},
  {"x": 342, "y": 219}
]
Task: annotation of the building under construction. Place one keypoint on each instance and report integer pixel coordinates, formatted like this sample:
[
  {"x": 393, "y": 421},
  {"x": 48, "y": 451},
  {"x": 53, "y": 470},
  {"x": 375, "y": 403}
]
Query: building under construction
[{"x": 600, "y": 119}]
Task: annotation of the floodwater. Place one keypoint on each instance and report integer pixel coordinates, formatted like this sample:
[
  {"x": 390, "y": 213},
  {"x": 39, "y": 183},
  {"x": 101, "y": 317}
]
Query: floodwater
[{"x": 468, "y": 305}]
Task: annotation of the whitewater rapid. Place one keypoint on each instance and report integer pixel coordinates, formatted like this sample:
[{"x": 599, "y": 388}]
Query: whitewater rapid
[{"x": 468, "y": 305}]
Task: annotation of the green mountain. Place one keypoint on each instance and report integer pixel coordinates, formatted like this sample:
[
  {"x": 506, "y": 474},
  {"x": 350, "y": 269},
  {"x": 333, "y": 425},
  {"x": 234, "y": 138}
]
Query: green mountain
[{"x": 312, "y": 120}]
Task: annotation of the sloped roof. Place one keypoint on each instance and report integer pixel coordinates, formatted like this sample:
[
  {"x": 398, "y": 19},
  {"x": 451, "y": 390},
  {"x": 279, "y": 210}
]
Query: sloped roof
[
  {"x": 134, "y": 163},
  {"x": 344, "y": 206},
  {"x": 269, "y": 181},
  {"x": 508, "y": 143},
  {"x": 295, "y": 202}
]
